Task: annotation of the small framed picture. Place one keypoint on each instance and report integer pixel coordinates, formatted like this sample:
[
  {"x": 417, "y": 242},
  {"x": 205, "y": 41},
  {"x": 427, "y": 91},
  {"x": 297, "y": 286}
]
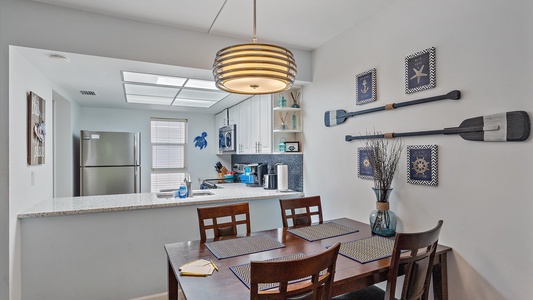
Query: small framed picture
[
  {"x": 365, "y": 87},
  {"x": 292, "y": 146},
  {"x": 36, "y": 129},
  {"x": 422, "y": 164},
  {"x": 364, "y": 168},
  {"x": 420, "y": 71}
]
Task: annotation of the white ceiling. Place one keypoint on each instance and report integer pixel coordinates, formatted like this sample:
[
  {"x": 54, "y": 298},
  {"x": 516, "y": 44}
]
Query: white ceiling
[{"x": 299, "y": 24}]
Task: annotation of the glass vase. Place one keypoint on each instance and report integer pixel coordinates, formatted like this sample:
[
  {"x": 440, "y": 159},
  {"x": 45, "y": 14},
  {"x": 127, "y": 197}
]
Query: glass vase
[{"x": 382, "y": 220}]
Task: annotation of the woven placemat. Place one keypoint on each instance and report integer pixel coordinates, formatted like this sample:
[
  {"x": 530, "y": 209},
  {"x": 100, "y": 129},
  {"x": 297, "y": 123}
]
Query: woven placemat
[
  {"x": 243, "y": 271},
  {"x": 321, "y": 231},
  {"x": 368, "y": 249},
  {"x": 241, "y": 246}
]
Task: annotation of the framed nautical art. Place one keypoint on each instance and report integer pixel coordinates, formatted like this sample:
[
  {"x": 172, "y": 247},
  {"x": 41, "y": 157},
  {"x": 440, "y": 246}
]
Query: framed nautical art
[
  {"x": 420, "y": 73},
  {"x": 422, "y": 164},
  {"x": 36, "y": 129},
  {"x": 365, "y": 87},
  {"x": 364, "y": 169}
]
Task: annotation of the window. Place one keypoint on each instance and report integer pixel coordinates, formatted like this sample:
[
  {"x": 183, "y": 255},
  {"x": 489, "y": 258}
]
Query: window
[{"x": 169, "y": 145}]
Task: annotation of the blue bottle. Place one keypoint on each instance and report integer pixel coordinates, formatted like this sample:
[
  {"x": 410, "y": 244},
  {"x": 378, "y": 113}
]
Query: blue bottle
[{"x": 182, "y": 191}]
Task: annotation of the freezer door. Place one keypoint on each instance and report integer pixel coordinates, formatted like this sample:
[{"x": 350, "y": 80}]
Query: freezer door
[
  {"x": 110, "y": 180},
  {"x": 100, "y": 148}
]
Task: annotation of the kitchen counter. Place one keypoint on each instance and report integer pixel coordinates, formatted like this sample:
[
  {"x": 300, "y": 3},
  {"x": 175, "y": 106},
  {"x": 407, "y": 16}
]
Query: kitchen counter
[{"x": 96, "y": 204}]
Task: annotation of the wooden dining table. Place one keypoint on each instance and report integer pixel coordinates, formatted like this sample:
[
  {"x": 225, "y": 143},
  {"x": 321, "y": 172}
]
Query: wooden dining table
[{"x": 224, "y": 284}]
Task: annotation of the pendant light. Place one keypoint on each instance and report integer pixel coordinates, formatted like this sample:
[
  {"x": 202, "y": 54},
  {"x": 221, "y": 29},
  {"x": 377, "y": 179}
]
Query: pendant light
[{"x": 254, "y": 68}]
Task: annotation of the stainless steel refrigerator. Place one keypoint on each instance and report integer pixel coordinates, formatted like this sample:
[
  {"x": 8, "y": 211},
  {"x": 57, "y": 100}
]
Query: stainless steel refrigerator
[{"x": 110, "y": 163}]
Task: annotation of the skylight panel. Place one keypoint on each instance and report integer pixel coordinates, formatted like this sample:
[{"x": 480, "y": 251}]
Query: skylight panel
[
  {"x": 153, "y": 79},
  {"x": 149, "y": 99},
  {"x": 202, "y": 95}
]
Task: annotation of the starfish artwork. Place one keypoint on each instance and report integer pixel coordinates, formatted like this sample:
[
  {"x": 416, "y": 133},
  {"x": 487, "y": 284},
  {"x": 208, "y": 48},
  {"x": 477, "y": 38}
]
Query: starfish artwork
[
  {"x": 418, "y": 74},
  {"x": 200, "y": 141}
]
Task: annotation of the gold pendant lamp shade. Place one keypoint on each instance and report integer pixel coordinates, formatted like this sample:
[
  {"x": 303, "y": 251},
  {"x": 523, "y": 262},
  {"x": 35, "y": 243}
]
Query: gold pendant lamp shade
[{"x": 254, "y": 68}]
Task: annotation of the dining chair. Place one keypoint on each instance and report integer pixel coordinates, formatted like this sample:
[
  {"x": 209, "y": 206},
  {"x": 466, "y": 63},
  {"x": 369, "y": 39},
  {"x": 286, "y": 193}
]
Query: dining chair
[
  {"x": 223, "y": 220},
  {"x": 308, "y": 278},
  {"x": 414, "y": 253},
  {"x": 300, "y": 211}
]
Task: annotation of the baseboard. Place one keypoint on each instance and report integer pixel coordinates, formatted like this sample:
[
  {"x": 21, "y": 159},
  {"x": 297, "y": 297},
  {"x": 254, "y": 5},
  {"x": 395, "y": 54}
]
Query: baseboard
[{"x": 162, "y": 296}]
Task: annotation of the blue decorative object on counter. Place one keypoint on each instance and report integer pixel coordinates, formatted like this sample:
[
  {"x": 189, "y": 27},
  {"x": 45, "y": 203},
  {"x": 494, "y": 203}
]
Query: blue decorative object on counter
[{"x": 200, "y": 141}]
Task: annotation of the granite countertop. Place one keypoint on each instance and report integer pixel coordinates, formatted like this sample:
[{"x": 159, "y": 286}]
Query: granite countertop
[{"x": 96, "y": 204}]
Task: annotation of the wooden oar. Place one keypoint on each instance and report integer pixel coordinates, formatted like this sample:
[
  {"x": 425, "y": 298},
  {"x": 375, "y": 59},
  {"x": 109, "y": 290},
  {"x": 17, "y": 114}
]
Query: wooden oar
[
  {"x": 339, "y": 116},
  {"x": 513, "y": 126}
]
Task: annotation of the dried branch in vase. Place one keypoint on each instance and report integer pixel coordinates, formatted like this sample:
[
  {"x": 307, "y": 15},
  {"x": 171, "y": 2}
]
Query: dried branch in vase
[{"x": 384, "y": 158}]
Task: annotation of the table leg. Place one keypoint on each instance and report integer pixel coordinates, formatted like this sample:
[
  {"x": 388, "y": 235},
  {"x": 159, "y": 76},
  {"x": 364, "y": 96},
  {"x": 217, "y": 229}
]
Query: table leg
[
  {"x": 440, "y": 278},
  {"x": 172, "y": 284}
]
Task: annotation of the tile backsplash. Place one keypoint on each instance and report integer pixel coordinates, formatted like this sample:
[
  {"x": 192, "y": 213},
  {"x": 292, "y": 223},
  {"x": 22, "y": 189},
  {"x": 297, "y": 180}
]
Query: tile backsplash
[{"x": 294, "y": 164}]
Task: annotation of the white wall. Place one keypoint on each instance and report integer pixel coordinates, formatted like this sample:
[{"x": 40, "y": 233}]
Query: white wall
[
  {"x": 23, "y": 79},
  {"x": 484, "y": 49},
  {"x": 63, "y": 174},
  {"x": 200, "y": 162}
]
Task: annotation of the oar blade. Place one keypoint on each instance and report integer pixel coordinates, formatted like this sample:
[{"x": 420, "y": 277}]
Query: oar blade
[
  {"x": 334, "y": 117},
  {"x": 514, "y": 126}
]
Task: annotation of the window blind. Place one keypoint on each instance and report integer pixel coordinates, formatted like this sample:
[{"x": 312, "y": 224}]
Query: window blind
[{"x": 169, "y": 144}]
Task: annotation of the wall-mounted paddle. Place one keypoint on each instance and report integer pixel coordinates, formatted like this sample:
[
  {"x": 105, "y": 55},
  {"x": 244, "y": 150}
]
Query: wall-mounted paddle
[
  {"x": 513, "y": 126},
  {"x": 339, "y": 116}
]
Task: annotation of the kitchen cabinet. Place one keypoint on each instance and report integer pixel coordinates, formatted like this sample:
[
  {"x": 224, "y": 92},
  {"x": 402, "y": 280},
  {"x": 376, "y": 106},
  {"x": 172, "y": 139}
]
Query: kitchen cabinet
[
  {"x": 287, "y": 120},
  {"x": 254, "y": 127}
]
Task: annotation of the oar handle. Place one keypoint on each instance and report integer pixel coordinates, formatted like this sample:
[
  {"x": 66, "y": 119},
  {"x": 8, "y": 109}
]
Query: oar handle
[
  {"x": 453, "y": 95},
  {"x": 451, "y": 130}
]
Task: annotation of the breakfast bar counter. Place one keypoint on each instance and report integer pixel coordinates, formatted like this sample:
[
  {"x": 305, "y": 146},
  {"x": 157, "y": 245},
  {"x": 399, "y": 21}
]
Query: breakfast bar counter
[
  {"x": 112, "y": 247},
  {"x": 228, "y": 192}
]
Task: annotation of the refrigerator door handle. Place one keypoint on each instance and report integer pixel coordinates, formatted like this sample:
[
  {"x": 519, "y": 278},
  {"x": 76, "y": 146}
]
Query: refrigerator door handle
[
  {"x": 136, "y": 150},
  {"x": 137, "y": 180}
]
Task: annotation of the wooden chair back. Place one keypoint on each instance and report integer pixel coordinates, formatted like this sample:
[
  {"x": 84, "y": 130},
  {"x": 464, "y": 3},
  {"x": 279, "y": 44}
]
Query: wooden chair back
[
  {"x": 300, "y": 211},
  {"x": 316, "y": 287},
  {"x": 217, "y": 220},
  {"x": 418, "y": 263}
]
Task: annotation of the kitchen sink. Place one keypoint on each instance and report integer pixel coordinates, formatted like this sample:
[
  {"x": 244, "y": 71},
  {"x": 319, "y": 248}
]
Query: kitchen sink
[
  {"x": 201, "y": 193},
  {"x": 194, "y": 194}
]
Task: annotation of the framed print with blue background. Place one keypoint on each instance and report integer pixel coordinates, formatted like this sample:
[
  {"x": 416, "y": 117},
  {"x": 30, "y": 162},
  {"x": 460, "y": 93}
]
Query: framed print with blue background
[
  {"x": 365, "y": 87},
  {"x": 364, "y": 169},
  {"x": 422, "y": 164},
  {"x": 420, "y": 73}
]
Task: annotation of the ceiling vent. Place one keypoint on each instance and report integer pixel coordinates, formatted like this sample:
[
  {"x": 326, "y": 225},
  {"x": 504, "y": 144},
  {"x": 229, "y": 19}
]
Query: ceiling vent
[{"x": 88, "y": 93}]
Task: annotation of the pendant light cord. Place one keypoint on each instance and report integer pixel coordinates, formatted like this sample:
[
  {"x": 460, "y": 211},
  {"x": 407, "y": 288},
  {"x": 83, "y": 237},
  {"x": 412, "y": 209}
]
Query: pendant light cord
[{"x": 255, "y": 36}]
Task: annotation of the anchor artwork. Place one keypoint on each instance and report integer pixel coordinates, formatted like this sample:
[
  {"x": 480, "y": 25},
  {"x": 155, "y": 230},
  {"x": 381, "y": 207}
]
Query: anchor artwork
[{"x": 365, "y": 85}]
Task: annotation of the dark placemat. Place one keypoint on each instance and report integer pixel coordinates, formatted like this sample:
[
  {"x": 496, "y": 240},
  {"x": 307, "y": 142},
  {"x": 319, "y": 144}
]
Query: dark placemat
[
  {"x": 243, "y": 271},
  {"x": 321, "y": 231},
  {"x": 241, "y": 246},
  {"x": 368, "y": 249}
]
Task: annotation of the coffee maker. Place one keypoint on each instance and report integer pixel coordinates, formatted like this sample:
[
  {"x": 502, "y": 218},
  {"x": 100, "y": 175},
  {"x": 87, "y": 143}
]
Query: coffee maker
[{"x": 257, "y": 170}]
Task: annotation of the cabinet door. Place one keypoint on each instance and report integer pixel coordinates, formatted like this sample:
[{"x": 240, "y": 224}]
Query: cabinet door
[
  {"x": 233, "y": 113},
  {"x": 265, "y": 130},
  {"x": 245, "y": 112}
]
